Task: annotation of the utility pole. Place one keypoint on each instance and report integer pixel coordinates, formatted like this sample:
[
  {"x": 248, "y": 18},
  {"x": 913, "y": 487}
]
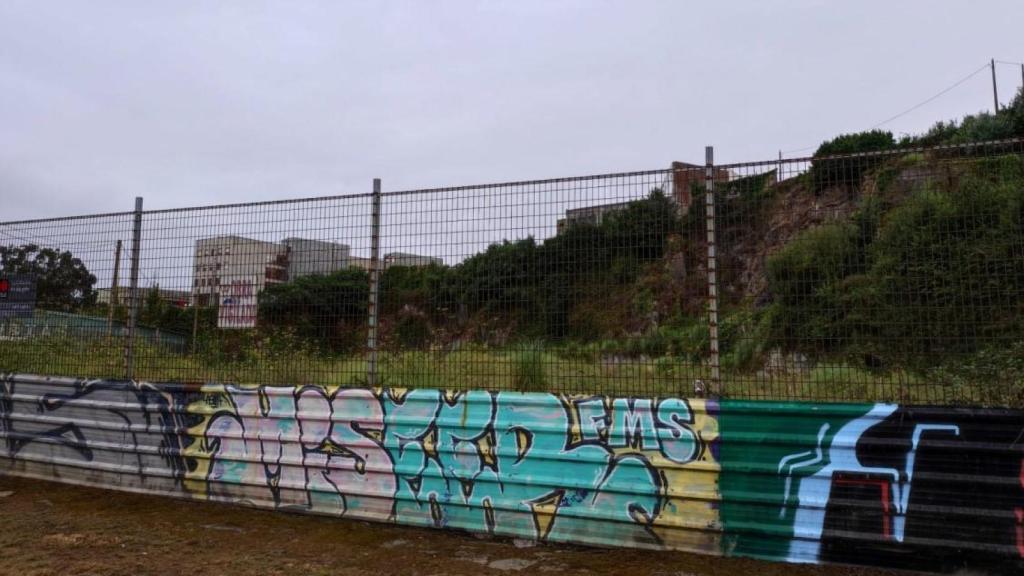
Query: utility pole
[
  {"x": 995, "y": 93},
  {"x": 113, "y": 290}
]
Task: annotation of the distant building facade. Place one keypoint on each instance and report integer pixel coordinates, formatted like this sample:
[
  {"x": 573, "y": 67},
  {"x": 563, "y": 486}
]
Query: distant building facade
[
  {"x": 308, "y": 257},
  {"x": 231, "y": 271},
  {"x": 224, "y": 261},
  {"x": 407, "y": 259},
  {"x": 175, "y": 297},
  {"x": 592, "y": 215},
  {"x": 684, "y": 178}
]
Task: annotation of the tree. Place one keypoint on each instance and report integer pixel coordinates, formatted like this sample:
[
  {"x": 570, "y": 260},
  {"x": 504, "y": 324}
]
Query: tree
[
  {"x": 327, "y": 310},
  {"x": 827, "y": 171},
  {"x": 62, "y": 281}
]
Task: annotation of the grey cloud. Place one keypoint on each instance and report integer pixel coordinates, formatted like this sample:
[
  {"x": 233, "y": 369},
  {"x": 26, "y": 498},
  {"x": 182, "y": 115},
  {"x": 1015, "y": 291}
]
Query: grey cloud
[{"x": 197, "y": 103}]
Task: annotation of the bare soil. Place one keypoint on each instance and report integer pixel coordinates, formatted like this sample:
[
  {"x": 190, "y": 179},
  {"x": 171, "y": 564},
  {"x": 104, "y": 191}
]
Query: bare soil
[{"x": 49, "y": 528}]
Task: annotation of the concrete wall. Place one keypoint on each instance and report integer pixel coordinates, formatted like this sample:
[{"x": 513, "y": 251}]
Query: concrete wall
[{"x": 874, "y": 483}]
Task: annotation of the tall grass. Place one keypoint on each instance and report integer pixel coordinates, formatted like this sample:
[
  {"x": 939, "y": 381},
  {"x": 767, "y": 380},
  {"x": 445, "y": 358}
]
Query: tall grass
[
  {"x": 529, "y": 367},
  {"x": 528, "y": 371}
]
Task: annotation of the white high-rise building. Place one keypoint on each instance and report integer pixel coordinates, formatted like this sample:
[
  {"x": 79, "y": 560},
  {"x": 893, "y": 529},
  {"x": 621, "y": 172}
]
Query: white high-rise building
[{"x": 224, "y": 261}]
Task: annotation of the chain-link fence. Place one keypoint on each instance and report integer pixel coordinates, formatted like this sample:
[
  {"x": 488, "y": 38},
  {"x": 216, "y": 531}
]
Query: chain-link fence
[{"x": 894, "y": 276}]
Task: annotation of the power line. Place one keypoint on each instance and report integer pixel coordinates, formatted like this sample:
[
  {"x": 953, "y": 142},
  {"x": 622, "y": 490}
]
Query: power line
[
  {"x": 919, "y": 104},
  {"x": 932, "y": 98}
]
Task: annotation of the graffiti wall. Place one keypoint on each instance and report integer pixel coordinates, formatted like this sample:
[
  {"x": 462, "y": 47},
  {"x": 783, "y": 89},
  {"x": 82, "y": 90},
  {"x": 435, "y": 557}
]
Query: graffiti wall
[
  {"x": 880, "y": 484},
  {"x": 897, "y": 486},
  {"x": 110, "y": 434},
  {"x": 539, "y": 466}
]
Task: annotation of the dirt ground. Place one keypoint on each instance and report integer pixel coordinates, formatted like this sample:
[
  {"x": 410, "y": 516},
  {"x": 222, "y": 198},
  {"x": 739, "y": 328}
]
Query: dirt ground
[{"x": 49, "y": 528}]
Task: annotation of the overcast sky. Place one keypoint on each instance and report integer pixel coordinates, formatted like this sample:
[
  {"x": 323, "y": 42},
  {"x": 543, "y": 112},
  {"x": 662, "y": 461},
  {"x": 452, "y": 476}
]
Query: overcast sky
[{"x": 209, "y": 102}]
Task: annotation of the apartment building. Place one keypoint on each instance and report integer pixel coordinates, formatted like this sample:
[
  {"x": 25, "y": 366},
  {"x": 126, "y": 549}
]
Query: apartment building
[
  {"x": 231, "y": 271},
  {"x": 223, "y": 261}
]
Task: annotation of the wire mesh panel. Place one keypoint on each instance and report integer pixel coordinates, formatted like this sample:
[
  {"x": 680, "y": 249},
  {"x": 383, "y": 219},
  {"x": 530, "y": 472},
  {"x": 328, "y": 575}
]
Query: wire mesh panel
[
  {"x": 888, "y": 276},
  {"x": 891, "y": 276},
  {"x": 565, "y": 285},
  {"x": 55, "y": 315},
  {"x": 271, "y": 292}
]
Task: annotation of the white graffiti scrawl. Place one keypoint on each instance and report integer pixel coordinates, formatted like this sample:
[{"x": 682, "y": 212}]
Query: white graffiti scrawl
[{"x": 821, "y": 467}]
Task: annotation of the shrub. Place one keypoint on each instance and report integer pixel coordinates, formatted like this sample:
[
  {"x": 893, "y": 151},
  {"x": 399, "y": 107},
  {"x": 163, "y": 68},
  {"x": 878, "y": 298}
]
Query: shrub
[
  {"x": 411, "y": 330},
  {"x": 1008, "y": 122},
  {"x": 803, "y": 277},
  {"x": 827, "y": 172},
  {"x": 328, "y": 311},
  {"x": 949, "y": 266},
  {"x": 938, "y": 275}
]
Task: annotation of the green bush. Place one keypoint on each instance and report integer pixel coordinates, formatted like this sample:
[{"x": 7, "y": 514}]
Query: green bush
[
  {"x": 329, "y": 310},
  {"x": 948, "y": 266},
  {"x": 939, "y": 274},
  {"x": 412, "y": 331},
  {"x": 1007, "y": 123},
  {"x": 536, "y": 286},
  {"x": 826, "y": 172},
  {"x": 803, "y": 277}
]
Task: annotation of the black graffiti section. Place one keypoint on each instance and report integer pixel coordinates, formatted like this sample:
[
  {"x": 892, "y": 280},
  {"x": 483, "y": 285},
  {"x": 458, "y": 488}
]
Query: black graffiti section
[
  {"x": 135, "y": 432},
  {"x": 930, "y": 475}
]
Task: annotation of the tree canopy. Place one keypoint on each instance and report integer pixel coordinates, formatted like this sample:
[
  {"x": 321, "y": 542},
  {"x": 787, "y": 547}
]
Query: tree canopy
[{"x": 63, "y": 282}]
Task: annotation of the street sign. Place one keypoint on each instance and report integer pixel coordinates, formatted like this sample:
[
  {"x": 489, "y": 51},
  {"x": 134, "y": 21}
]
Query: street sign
[{"x": 17, "y": 296}]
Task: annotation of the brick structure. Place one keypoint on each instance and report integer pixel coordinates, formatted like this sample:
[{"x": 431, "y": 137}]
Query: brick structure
[{"x": 685, "y": 176}]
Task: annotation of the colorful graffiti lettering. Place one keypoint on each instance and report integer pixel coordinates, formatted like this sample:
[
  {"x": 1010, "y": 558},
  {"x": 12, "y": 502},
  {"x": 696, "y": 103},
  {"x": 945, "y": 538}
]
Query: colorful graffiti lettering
[
  {"x": 880, "y": 484},
  {"x": 299, "y": 447},
  {"x": 536, "y": 465}
]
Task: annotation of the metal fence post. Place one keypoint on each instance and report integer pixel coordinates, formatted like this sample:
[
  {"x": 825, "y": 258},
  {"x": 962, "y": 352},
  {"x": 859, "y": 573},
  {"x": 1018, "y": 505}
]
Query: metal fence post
[
  {"x": 133, "y": 291},
  {"x": 371, "y": 340},
  {"x": 113, "y": 290},
  {"x": 709, "y": 211}
]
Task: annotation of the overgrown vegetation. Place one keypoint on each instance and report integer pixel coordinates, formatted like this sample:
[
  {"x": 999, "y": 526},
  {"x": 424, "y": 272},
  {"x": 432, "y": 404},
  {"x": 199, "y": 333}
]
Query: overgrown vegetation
[{"x": 938, "y": 276}]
